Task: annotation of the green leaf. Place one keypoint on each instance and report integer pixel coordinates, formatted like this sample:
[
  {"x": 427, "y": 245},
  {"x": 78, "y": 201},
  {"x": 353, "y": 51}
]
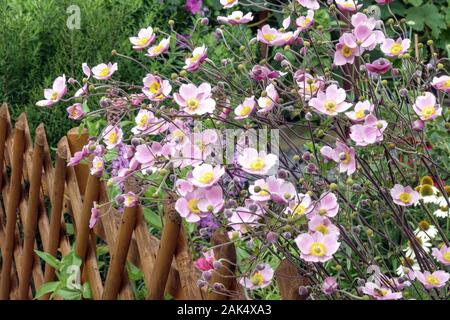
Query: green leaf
[
  {"x": 134, "y": 273},
  {"x": 87, "y": 292},
  {"x": 85, "y": 107},
  {"x": 68, "y": 294},
  {"x": 421, "y": 16},
  {"x": 46, "y": 288},
  {"x": 152, "y": 218},
  {"x": 48, "y": 258},
  {"x": 416, "y": 3}
]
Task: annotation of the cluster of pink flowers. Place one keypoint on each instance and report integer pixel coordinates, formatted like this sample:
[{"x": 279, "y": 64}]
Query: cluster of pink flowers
[{"x": 352, "y": 146}]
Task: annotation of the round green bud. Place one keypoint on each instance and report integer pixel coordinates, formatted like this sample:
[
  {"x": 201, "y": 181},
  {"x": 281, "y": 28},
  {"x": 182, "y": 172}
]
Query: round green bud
[
  {"x": 114, "y": 52},
  {"x": 171, "y": 23},
  {"x": 440, "y": 66},
  {"x": 183, "y": 73},
  {"x": 296, "y": 158},
  {"x": 430, "y": 42},
  {"x": 333, "y": 186},
  {"x": 174, "y": 76}
]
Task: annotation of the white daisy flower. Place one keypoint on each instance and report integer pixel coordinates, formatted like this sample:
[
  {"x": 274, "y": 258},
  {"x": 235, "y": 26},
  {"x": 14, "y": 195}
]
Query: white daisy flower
[
  {"x": 406, "y": 266},
  {"x": 424, "y": 243},
  {"x": 425, "y": 231},
  {"x": 444, "y": 210}
]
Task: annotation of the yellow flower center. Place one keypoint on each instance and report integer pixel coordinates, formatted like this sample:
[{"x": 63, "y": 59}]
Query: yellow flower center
[
  {"x": 157, "y": 49},
  {"x": 245, "y": 111},
  {"x": 178, "y": 134},
  {"x": 104, "y": 72},
  {"x": 347, "y": 158},
  {"x": 381, "y": 292},
  {"x": 206, "y": 177},
  {"x": 257, "y": 279},
  {"x": 98, "y": 164},
  {"x": 154, "y": 87},
  {"x": 142, "y": 41},
  {"x": 195, "y": 57},
  {"x": 360, "y": 114},
  {"x": 330, "y": 106},
  {"x": 143, "y": 120},
  {"x": 312, "y": 88},
  {"x": 424, "y": 225},
  {"x": 446, "y": 84},
  {"x": 396, "y": 48},
  {"x": 54, "y": 95},
  {"x": 346, "y": 51},
  {"x": 193, "y": 206},
  {"x": 322, "y": 229},
  {"x": 405, "y": 197},
  {"x": 269, "y": 37},
  {"x": 428, "y": 111},
  {"x": 300, "y": 209},
  {"x": 257, "y": 164},
  {"x": 317, "y": 249},
  {"x": 112, "y": 138},
  {"x": 348, "y": 5},
  {"x": 193, "y": 104},
  {"x": 305, "y": 22},
  {"x": 230, "y": 1},
  {"x": 432, "y": 280},
  {"x": 446, "y": 256}
]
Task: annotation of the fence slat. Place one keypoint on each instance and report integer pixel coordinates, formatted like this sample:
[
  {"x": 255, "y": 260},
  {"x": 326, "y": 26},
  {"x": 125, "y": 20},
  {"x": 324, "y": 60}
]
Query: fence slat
[
  {"x": 226, "y": 252},
  {"x": 32, "y": 214},
  {"x": 119, "y": 255},
  {"x": 13, "y": 203},
  {"x": 167, "y": 247},
  {"x": 289, "y": 280},
  {"x": 56, "y": 214}
]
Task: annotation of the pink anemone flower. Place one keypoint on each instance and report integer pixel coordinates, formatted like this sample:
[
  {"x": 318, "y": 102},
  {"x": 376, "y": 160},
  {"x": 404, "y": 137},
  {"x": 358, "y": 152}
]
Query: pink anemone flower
[
  {"x": 145, "y": 37},
  {"x": 228, "y": 3},
  {"x": 112, "y": 136},
  {"x": 322, "y": 225},
  {"x": 188, "y": 208},
  {"x": 442, "y": 255},
  {"x": 268, "y": 102},
  {"x": 346, "y": 50},
  {"x": 310, "y": 4},
  {"x": 195, "y": 100},
  {"x": 52, "y": 96},
  {"x": 404, "y": 196},
  {"x": 75, "y": 111},
  {"x": 260, "y": 278},
  {"x": 395, "y": 48},
  {"x": 198, "y": 56},
  {"x": 379, "y": 292},
  {"x": 104, "y": 71},
  {"x": 256, "y": 162},
  {"x": 437, "y": 279},
  {"x": 206, "y": 175},
  {"x": 327, "y": 205},
  {"x": 361, "y": 110},
  {"x": 161, "y": 48},
  {"x": 441, "y": 83},
  {"x": 155, "y": 88},
  {"x": 205, "y": 263},
  {"x": 268, "y": 35},
  {"x": 304, "y": 22},
  {"x": 343, "y": 155},
  {"x": 426, "y": 107},
  {"x": 236, "y": 17},
  {"x": 245, "y": 109},
  {"x": 331, "y": 102},
  {"x": 317, "y": 247},
  {"x": 368, "y": 133}
]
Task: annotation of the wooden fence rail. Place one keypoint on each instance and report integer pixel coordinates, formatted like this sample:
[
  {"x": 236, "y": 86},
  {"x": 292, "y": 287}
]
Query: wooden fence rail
[{"x": 36, "y": 201}]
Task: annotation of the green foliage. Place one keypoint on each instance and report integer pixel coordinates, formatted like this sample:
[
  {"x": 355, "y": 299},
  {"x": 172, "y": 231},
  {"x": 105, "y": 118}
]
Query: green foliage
[
  {"x": 68, "y": 285},
  {"x": 37, "y": 46}
]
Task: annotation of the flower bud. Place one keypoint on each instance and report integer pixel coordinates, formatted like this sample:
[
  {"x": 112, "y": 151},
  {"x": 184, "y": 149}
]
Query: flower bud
[
  {"x": 217, "y": 265},
  {"x": 306, "y": 156},
  {"x": 207, "y": 275},
  {"x": 204, "y": 21}
]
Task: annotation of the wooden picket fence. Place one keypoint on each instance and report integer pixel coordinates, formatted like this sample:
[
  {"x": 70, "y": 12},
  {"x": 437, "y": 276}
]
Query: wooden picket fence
[{"x": 37, "y": 196}]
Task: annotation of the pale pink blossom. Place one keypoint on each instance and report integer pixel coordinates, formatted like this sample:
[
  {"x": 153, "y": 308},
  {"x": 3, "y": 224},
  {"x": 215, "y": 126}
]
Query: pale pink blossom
[
  {"x": 95, "y": 214},
  {"x": 161, "y": 48},
  {"x": 441, "y": 83},
  {"x": 331, "y": 102},
  {"x": 343, "y": 155},
  {"x": 206, "y": 175},
  {"x": 379, "y": 66},
  {"x": 329, "y": 285},
  {"x": 442, "y": 255},
  {"x": 310, "y": 4},
  {"x": 322, "y": 225},
  {"x": 256, "y": 162},
  {"x": 213, "y": 200},
  {"x": 75, "y": 111},
  {"x": 195, "y": 100},
  {"x": 130, "y": 200},
  {"x": 197, "y": 58},
  {"x": 327, "y": 205},
  {"x": 112, "y": 136},
  {"x": 263, "y": 193},
  {"x": 205, "y": 263},
  {"x": 53, "y": 95},
  {"x": 361, "y": 110},
  {"x": 104, "y": 71},
  {"x": 304, "y": 22},
  {"x": 426, "y": 107},
  {"x": 281, "y": 191},
  {"x": 346, "y": 50},
  {"x": 261, "y": 277},
  {"x": 308, "y": 84},
  {"x": 379, "y": 292},
  {"x": 317, "y": 247},
  {"x": 300, "y": 207},
  {"x": 404, "y": 196},
  {"x": 236, "y": 17},
  {"x": 155, "y": 88},
  {"x": 229, "y": 3},
  {"x": 187, "y": 206},
  {"x": 348, "y": 5},
  {"x": 243, "y": 218},
  {"x": 98, "y": 164},
  {"x": 268, "y": 102},
  {"x": 395, "y": 48},
  {"x": 245, "y": 109},
  {"x": 268, "y": 35},
  {"x": 145, "y": 37},
  {"x": 437, "y": 279},
  {"x": 368, "y": 133}
]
